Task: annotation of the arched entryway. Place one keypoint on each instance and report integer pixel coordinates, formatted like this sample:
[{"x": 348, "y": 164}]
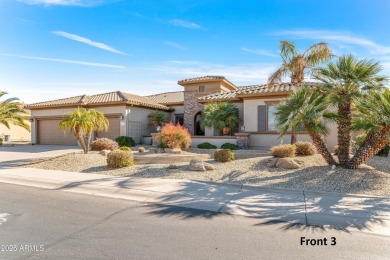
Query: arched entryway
[{"x": 197, "y": 122}]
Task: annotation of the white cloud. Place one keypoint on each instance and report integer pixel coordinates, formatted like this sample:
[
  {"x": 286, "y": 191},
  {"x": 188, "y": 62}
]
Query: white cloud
[
  {"x": 336, "y": 37},
  {"x": 88, "y": 42},
  {"x": 259, "y": 52},
  {"x": 83, "y": 3},
  {"x": 245, "y": 74},
  {"x": 93, "y": 64},
  {"x": 174, "y": 45},
  {"x": 185, "y": 24}
]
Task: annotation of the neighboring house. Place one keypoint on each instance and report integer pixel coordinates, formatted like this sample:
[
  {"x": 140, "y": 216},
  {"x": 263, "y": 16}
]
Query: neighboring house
[
  {"x": 16, "y": 133},
  {"x": 128, "y": 113}
]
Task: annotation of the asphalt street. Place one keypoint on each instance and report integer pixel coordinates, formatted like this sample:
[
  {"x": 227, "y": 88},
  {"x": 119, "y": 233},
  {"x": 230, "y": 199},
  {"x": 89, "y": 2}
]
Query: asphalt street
[{"x": 37, "y": 223}]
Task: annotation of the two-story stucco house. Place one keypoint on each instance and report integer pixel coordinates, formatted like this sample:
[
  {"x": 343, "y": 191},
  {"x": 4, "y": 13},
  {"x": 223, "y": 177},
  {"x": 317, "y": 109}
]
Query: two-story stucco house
[{"x": 128, "y": 113}]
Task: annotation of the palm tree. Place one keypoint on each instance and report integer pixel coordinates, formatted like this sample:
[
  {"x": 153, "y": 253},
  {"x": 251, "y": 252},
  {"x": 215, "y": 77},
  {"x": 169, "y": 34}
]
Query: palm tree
[
  {"x": 12, "y": 112},
  {"x": 83, "y": 122},
  {"x": 345, "y": 80},
  {"x": 95, "y": 121},
  {"x": 296, "y": 64},
  {"x": 222, "y": 116},
  {"x": 307, "y": 106},
  {"x": 373, "y": 116}
]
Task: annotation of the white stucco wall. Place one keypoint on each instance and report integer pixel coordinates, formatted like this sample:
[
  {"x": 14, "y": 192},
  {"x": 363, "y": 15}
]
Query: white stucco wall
[{"x": 17, "y": 133}]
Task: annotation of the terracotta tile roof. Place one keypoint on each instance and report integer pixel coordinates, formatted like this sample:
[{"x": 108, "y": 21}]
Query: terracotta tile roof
[
  {"x": 111, "y": 97},
  {"x": 168, "y": 97},
  {"x": 64, "y": 101},
  {"x": 203, "y": 78},
  {"x": 255, "y": 89}
]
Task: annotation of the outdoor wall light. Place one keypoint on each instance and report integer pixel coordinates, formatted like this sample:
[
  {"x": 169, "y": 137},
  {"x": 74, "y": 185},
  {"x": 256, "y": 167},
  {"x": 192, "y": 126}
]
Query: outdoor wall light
[
  {"x": 158, "y": 128},
  {"x": 121, "y": 117},
  {"x": 242, "y": 129}
]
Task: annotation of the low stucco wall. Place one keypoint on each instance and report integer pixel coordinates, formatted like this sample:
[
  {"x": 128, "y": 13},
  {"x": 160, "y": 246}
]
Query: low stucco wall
[
  {"x": 216, "y": 140},
  {"x": 268, "y": 140}
]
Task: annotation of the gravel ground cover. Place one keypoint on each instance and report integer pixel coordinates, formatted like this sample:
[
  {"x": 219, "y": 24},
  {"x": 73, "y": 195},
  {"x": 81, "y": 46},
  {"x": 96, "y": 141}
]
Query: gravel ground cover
[{"x": 372, "y": 178}]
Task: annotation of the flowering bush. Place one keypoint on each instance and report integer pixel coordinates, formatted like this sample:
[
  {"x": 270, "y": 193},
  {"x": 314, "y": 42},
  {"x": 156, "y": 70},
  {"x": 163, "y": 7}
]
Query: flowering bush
[
  {"x": 104, "y": 144},
  {"x": 175, "y": 136}
]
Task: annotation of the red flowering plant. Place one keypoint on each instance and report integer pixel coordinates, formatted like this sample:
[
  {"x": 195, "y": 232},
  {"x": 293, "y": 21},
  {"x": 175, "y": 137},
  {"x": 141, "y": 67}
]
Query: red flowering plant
[{"x": 175, "y": 136}]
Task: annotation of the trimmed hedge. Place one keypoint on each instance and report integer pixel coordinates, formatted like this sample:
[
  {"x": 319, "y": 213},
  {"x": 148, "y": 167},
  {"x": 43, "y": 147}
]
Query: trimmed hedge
[
  {"x": 104, "y": 144},
  {"x": 223, "y": 155},
  {"x": 206, "y": 145},
  {"x": 304, "y": 149},
  {"x": 119, "y": 159},
  {"x": 229, "y": 146},
  {"x": 125, "y": 148},
  {"x": 283, "y": 150},
  {"x": 125, "y": 141}
]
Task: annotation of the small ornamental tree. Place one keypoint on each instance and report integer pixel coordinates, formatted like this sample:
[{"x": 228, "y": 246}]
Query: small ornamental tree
[{"x": 175, "y": 136}]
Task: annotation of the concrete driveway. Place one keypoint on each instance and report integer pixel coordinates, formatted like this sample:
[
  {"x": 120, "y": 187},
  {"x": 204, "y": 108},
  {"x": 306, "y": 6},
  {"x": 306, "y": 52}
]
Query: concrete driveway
[{"x": 19, "y": 153}]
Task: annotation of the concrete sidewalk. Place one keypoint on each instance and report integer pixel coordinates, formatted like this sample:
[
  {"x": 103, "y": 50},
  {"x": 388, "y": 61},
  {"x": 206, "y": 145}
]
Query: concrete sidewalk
[{"x": 345, "y": 212}]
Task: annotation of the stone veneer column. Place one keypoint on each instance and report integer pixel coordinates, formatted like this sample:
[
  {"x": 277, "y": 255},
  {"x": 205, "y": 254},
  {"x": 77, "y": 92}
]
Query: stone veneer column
[
  {"x": 191, "y": 107},
  {"x": 242, "y": 140}
]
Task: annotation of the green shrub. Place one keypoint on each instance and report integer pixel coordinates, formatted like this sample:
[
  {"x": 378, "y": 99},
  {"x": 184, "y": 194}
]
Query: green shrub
[
  {"x": 1, "y": 141},
  {"x": 104, "y": 144},
  {"x": 125, "y": 148},
  {"x": 384, "y": 152},
  {"x": 206, "y": 145},
  {"x": 162, "y": 146},
  {"x": 141, "y": 149},
  {"x": 304, "y": 149},
  {"x": 283, "y": 150},
  {"x": 175, "y": 136},
  {"x": 125, "y": 141},
  {"x": 229, "y": 146},
  {"x": 223, "y": 155},
  {"x": 119, "y": 159}
]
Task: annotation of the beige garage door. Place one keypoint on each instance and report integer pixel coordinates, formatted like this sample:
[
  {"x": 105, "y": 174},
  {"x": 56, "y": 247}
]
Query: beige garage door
[
  {"x": 113, "y": 129},
  {"x": 50, "y": 133}
]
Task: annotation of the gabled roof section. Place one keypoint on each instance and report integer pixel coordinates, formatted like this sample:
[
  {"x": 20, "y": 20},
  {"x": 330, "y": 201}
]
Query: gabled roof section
[
  {"x": 201, "y": 79},
  {"x": 77, "y": 100},
  {"x": 255, "y": 90},
  {"x": 167, "y": 98},
  {"x": 110, "y": 98}
]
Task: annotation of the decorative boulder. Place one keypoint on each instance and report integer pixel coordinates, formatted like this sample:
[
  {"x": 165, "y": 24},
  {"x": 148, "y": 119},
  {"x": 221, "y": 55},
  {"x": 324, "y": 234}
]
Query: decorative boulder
[
  {"x": 271, "y": 162},
  {"x": 105, "y": 152},
  {"x": 196, "y": 165},
  {"x": 209, "y": 166},
  {"x": 289, "y": 163}
]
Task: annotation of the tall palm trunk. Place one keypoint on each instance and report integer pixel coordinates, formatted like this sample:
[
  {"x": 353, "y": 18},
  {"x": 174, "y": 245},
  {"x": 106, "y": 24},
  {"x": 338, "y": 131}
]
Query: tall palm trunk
[
  {"x": 343, "y": 129},
  {"x": 79, "y": 136},
  {"x": 321, "y": 147},
  {"x": 374, "y": 142},
  {"x": 293, "y": 137},
  {"x": 88, "y": 136}
]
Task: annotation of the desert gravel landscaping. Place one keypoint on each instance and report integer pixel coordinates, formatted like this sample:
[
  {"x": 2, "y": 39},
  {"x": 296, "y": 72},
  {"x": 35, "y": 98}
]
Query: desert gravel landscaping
[{"x": 372, "y": 178}]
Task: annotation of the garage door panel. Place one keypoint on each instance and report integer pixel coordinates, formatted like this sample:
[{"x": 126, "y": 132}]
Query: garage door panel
[
  {"x": 49, "y": 132},
  {"x": 113, "y": 129}
]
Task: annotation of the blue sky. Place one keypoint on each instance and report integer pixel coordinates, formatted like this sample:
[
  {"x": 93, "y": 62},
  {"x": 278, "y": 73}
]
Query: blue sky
[{"x": 52, "y": 49}]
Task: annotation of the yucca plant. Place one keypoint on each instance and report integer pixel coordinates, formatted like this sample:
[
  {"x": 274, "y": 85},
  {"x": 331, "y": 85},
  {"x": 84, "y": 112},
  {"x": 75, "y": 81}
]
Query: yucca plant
[
  {"x": 345, "y": 80},
  {"x": 373, "y": 116},
  {"x": 12, "y": 112},
  {"x": 306, "y": 106},
  {"x": 296, "y": 64},
  {"x": 222, "y": 116}
]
